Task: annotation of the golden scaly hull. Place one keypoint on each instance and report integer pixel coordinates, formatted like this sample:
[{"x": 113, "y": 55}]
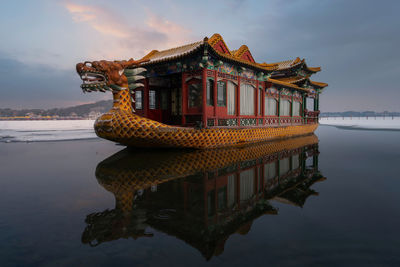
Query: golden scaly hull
[{"x": 124, "y": 127}]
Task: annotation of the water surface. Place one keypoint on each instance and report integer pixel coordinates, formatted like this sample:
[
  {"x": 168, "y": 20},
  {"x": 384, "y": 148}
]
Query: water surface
[{"x": 89, "y": 204}]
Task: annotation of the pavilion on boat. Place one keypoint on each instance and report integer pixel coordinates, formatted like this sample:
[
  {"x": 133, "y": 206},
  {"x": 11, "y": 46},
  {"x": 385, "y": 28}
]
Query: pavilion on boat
[{"x": 204, "y": 84}]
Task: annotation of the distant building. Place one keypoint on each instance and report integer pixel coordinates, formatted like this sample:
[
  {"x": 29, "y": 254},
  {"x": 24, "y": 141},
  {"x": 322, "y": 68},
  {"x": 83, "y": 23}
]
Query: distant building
[{"x": 94, "y": 115}]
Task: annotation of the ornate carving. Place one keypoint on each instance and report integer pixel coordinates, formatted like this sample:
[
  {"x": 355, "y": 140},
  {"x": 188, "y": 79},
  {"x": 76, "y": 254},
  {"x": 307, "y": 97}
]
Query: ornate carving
[{"x": 104, "y": 75}]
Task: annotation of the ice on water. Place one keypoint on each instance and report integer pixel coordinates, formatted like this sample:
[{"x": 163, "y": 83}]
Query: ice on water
[
  {"x": 60, "y": 130},
  {"x": 387, "y": 123},
  {"x": 40, "y": 131}
]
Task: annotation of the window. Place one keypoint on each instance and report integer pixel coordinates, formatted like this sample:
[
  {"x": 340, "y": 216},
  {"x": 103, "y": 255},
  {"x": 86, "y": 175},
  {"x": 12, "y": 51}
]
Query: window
[
  {"x": 138, "y": 99},
  {"x": 221, "y": 94},
  {"x": 247, "y": 99},
  {"x": 164, "y": 100},
  {"x": 296, "y": 108},
  {"x": 195, "y": 96},
  {"x": 231, "y": 98},
  {"x": 152, "y": 99},
  {"x": 284, "y": 107},
  {"x": 270, "y": 106},
  {"x": 210, "y": 92}
]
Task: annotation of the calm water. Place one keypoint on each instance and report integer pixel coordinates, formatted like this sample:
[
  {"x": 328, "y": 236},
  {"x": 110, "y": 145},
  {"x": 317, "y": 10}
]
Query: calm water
[{"x": 86, "y": 203}]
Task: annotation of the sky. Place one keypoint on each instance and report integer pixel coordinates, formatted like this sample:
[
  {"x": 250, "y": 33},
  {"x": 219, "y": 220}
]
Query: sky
[{"x": 356, "y": 43}]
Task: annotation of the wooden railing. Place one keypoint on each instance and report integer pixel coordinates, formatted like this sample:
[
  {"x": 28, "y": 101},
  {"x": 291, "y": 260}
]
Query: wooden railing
[
  {"x": 255, "y": 121},
  {"x": 311, "y": 117}
]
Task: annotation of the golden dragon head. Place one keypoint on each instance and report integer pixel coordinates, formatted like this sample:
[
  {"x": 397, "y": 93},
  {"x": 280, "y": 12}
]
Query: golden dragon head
[{"x": 103, "y": 75}]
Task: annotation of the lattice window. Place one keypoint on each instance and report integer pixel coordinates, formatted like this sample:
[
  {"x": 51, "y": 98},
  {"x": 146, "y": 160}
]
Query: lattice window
[
  {"x": 247, "y": 99},
  {"x": 221, "y": 94},
  {"x": 270, "y": 106}
]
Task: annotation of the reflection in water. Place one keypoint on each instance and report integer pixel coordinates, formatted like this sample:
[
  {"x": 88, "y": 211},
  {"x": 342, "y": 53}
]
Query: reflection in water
[{"x": 202, "y": 197}]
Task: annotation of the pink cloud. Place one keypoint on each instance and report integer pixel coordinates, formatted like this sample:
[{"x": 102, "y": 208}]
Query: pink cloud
[
  {"x": 98, "y": 18},
  {"x": 120, "y": 39}
]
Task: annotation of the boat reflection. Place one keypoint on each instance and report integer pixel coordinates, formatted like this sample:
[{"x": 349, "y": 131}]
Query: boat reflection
[{"x": 201, "y": 197}]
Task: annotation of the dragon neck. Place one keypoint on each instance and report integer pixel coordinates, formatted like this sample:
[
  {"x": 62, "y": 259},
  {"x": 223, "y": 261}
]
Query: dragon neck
[{"x": 122, "y": 100}]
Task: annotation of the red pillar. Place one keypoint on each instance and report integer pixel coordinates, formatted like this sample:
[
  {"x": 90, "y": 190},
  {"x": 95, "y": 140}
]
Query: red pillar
[
  {"x": 215, "y": 94},
  {"x": 146, "y": 98},
  {"x": 257, "y": 103},
  {"x": 238, "y": 101},
  {"x": 184, "y": 98},
  {"x": 204, "y": 109},
  {"x": 262, "y": 100}
]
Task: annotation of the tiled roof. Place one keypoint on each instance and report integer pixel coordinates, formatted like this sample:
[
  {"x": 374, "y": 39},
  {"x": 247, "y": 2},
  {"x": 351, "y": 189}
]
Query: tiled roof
[
  {"x": 287, "y": 64},
  {"x": 292, "y": 79},
  {"x": 314, "y": 69},
  {"x": 319, "y": 84},
  {"x": 246, "y": 62},
  {"x": 170, "y": 54},
  {"x": 216, "y": 38},
  {"x": 286, "y": 84},
  {"x": 177, "y": 52},
  {"x": 295, "y": 79},
  {"x": 156, "y": 56}
]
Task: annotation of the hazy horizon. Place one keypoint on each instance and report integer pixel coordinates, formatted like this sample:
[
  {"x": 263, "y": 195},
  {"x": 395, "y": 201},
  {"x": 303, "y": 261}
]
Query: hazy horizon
[
  {"x": 110, "y": 100},
  {"x": 355, "y": 43}
]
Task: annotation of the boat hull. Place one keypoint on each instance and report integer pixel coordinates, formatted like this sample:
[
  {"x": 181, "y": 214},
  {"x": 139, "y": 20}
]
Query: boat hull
[{"x": 133, "y": 130}]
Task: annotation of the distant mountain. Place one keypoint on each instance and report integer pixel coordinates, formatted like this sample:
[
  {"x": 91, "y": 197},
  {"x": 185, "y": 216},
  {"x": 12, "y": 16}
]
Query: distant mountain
[{"x": 79, "y": 111}]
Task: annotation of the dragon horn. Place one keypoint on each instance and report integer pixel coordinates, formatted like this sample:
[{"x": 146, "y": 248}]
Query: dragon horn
[
  {"x": 132, "y": 79},
  {"x": 134, "y": 71},
  {"x": 133, "y": 86}
]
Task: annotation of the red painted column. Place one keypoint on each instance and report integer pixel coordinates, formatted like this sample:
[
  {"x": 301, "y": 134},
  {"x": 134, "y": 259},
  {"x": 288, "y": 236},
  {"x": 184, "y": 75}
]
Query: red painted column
[
  {"x": 146, "y": 98},
  {"x": 184, "y": 98},
  {"x": 215, "y": 94},
  {"x": 257, "y": 102},
  {"x": 238, "y": 102},
  {"x": 262, "y": 100},
  {"x": 204, "y": 109}
]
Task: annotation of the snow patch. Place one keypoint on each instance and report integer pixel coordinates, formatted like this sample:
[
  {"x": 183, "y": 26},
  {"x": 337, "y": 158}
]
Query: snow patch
[
  {"x": 41, "y": 131},
  {"x": 375, "y": 123}
]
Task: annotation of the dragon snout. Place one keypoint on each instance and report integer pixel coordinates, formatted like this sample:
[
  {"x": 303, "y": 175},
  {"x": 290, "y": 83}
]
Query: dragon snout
[
  {"x": 93, "y": 79},
  {"x": 79, "y": 67}
]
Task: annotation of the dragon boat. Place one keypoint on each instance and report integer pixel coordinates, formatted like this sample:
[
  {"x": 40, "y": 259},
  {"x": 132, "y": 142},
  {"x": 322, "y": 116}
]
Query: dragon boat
[{"x": 203, "y": 95}]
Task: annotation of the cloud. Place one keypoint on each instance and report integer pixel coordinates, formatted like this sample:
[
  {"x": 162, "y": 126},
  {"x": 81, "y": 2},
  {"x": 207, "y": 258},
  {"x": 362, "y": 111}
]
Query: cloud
[
  {"x": 99, "y": 19},
  {"x": 122, "y": 39}
]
